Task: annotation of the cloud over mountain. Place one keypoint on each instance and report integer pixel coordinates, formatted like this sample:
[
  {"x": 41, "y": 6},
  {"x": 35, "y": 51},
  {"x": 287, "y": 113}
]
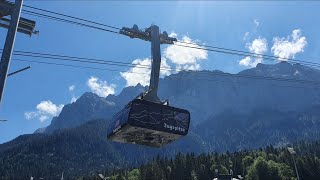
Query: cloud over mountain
[
  {"x": 183, "y": 57},
  {"x": 99, "y": 87},
  {"x": 45, "y": 110},
  {"x": 141, "y": 71},
  {"x": 288, "y": 47},
  {"x": 257, "y": 46}
]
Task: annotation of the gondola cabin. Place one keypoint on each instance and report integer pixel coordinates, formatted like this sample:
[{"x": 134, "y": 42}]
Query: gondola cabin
[{"x": 149, "y": 123}]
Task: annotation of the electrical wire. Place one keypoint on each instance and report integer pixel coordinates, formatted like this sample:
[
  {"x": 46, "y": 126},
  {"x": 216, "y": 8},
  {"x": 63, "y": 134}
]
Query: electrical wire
[
  {"x": 84, "y": 61},
  {"x": 315, "y": 65},
  {"x": 250, "y": 53},
  {"x": 116, "y": 63},
  {"x": 225, "y": 50},
  {"x": 175, "y": 76},
  {"x": 72, "y": 17},
  {"x": 71, "y": 65},
  {"x": 66, "y": 21},
  {"x": 217, "y": 49}
]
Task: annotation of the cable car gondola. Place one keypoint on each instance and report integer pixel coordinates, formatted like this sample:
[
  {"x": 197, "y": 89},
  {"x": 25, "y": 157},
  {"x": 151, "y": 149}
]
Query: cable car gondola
[
  {"x": 147, "y": 120},
  {"x": 148, "y": 123}
]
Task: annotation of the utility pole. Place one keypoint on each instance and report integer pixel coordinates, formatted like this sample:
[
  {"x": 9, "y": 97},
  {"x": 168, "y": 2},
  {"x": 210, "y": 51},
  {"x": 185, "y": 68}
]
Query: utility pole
[
  {"x": 153, "y": 35},
  {"x": 13, "y": 25},
  {"x": 8, "y": 46}
]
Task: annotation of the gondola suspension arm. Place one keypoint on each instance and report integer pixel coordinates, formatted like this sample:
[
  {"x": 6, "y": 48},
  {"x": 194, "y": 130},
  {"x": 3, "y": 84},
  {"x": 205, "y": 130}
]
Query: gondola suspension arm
[{"x": 153, "y": 35}]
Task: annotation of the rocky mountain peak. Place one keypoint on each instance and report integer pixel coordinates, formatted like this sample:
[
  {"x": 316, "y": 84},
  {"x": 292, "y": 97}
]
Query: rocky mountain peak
[{"x": 206, "y": 95}]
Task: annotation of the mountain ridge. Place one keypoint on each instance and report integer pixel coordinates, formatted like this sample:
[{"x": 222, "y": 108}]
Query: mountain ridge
[
  {"x": 227, "y": 114},
  {"x": 184, "y": 90}
]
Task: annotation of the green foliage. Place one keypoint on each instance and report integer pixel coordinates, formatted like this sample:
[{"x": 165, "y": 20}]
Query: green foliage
[
  {"x": 264, "y": 170},
  {"x": 263, "y": 164},
  {"x": 194, "y": 175},
  {"x": 134, "y": 174},
  {"x": 82, "y": 153}
]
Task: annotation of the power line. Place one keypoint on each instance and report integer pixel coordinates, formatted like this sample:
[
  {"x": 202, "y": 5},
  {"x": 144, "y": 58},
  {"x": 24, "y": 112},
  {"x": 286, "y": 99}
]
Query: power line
[
  {"x": 222, "y": 50},
  {"x": 82, "y": 59},
  {"x": 81, "y": 19},
  {"x": 250, "y": 53},
  {"x": 112, "y": 63},
  {"x": 70, "y": 65},
  {"x": 232, "y": 82},
  {"x": 233, "y": 51},
  {"x": 121, "y": 64},
  {"x": 216, "y": 49},
  {"x": 66, "y": 21},
  {"x": 315, "y": 65},
  {"x": 117, "y": 63},
  {"x": 173, "y": 77}
]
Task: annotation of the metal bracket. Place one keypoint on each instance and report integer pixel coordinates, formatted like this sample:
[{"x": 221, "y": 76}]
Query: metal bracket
[
  {"x": 25, "y": 26},
  {"x": 5, "y": 8},
  {"x": 18, "y": 71}
]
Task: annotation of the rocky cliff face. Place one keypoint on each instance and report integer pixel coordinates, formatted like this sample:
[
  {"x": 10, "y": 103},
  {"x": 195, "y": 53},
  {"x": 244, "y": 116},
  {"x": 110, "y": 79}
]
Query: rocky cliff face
[
  {"x": 90, "y": 106},
  {"x": 208, "y": 93}
]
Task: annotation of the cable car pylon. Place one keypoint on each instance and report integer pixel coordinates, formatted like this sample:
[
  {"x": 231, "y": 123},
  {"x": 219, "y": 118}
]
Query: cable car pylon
[
  {"x": 14, "y": 24},
  {"x": 147, "y": 120}
]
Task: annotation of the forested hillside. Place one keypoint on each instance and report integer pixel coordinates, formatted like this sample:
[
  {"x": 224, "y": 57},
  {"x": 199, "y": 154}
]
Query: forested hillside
[
  {"x": 79, "y": 151},
  {"x": 263, "y": 164}
]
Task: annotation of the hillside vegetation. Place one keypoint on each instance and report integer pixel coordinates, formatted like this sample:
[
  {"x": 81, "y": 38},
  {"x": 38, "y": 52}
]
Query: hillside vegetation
[{"x": 263, "y": 164}]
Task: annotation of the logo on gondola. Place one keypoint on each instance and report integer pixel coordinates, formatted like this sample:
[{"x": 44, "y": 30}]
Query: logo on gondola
[{"x": 175, "y": 128}]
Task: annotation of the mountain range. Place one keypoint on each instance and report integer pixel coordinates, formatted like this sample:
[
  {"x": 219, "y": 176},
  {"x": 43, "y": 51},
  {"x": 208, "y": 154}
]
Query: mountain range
[{"x": 228, "y": 113}]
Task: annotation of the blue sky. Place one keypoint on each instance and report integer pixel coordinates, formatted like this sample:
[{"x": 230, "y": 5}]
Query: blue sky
[{"x": 221, "y": 24}]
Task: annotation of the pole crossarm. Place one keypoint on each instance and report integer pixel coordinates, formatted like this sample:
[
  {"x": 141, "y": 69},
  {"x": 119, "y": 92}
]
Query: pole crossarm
[
  {"x": 25, "y": 26},
  {"x": 5, "y": 8},
  {"x": 134, "y": 32}
]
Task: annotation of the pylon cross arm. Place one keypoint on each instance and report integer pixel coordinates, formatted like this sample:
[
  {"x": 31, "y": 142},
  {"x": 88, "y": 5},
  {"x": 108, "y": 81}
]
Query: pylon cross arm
[{"x": 5, "y": 8}]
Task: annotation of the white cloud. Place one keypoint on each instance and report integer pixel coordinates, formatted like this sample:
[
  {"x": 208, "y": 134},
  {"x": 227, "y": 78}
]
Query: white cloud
[
  {"x": 45, "y": 110},
  {"x": 42, "y": 118},
  {"x": 73, "y": 99},
  {"x": 245, "y": 61},
  {"x": 141, "y": 74},
  {"x": 101, "y": 88},
  {"x": 49, "y": 108},
  {"x": 173, "y": 34},
  {"x": 256, "y": 23},
  {"x": 257, "y": 46},
  {"x": 246, "y": 36},
  {"x": 72, "y": 88},
  {"x": 191, "y": 67},
  {"x": 183, "y": 56},
  {"x": 30, "y": 115},
  {"x": 288, "y": 47}
]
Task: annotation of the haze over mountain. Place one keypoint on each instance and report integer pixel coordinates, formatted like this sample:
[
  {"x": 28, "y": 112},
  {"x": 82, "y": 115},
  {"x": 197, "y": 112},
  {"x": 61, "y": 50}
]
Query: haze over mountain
[{"x": 227, "y": 113}]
